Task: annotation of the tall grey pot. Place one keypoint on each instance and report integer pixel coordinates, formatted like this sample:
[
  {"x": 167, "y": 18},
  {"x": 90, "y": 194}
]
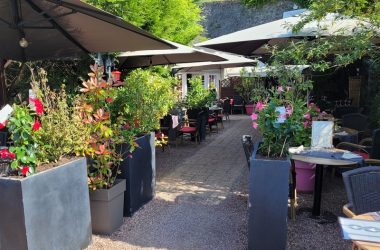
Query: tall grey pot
[
  {"x": 139, "y": 171},
  {"x": 107, "y": 208},
  {"x": 48, "y": 210},
  {"x": 268, "y": 198}
]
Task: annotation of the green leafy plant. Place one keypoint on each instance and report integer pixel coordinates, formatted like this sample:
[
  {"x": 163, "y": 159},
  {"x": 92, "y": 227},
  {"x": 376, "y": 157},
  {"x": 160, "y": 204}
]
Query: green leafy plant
[
  {"x": 63, "y": 133},
  {"x": 252, "y": 88},
  {"x": 198, "y": 96},
  {"x": 141, "y": 102},
  {"x": 24, "y": 126},
  {"x": 94, "y": 110}
]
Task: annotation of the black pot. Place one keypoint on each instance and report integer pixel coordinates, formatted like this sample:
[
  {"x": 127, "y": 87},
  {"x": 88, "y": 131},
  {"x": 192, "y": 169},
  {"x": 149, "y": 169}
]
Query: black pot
[
  {"x": 139, "y": 171},
  {"x": 48, "y": 210},
  {"x": 107, "y": 208},
  {"x": 268, "y": 198}
]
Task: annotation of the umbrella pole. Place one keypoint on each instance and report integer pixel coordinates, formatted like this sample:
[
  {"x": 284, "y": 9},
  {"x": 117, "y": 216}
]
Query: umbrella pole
[{"x": 3, "y": 87}]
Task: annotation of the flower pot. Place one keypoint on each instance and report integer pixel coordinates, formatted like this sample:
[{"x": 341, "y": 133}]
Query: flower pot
[
  {"x": 107, "y": 208},
  {"x": 249, "y": 109},
  {"x": 305, "y": 176},
  {"x": 139, "y": 171},
  {"x": 268, "y": 198},
  {"x": 48, "y": 210}
]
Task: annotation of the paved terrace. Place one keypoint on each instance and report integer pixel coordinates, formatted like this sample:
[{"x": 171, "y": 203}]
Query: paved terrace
[{"x": 201, "y": 202}]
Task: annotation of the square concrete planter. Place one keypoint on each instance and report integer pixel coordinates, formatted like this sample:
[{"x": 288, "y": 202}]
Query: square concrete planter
[
  {"x": 107, "y": 208},
  {"x": 268, "y": 199},
  {"x": 48, "y": 210},
  {"x": 139, "y": 173}
]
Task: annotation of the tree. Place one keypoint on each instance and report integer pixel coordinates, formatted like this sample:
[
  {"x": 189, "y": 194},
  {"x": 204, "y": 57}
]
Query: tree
[{"x": 175, "y": 20}]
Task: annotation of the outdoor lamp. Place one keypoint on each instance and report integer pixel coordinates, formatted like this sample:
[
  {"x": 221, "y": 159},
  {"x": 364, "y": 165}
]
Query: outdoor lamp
[{"x": 23, "y": 43}]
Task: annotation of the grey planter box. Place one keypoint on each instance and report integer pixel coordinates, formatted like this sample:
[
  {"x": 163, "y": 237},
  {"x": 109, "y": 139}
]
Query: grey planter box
[
  {"x": 107, "y": 208},
  {"x": 268, "y": 198},
  {"x": 139, "y": 173},
  {"x": 48, "y": 210}
]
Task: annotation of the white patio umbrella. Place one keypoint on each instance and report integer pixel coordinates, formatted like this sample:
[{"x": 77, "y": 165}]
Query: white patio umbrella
[
  {"x": 231, "y": 61},
  {"x": 182, "y": 54},
  {"x": 250, "y": 41}
]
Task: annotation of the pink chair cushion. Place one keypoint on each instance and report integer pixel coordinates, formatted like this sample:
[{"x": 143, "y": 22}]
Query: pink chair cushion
[
  {"x": 211, "y": 120},
  {"x": 188, "y": 130}
]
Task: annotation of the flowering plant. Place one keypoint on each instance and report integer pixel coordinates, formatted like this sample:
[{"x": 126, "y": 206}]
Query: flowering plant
[
  {"x": 284, "y": 118},
  {"x": 24, "y": 127}
]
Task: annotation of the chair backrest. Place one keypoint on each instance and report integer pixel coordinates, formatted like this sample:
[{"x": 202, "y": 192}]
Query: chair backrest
[
  {"x": 340, "y": 111},
  {"x": 3, "y": 138},
  {"x": 238, "y": 100},
  {"x": 363, "y": 189},
  {"x": 375, "y": 147},
  {"x": 250, "y": 147},
  {"x": 355, "y": 121}
]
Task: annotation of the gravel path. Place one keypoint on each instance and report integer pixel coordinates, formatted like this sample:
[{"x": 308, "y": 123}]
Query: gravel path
[{"x": 201, "y": 202}]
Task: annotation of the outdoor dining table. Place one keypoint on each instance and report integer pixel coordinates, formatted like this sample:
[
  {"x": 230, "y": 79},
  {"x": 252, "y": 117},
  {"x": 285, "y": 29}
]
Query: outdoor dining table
[
  {"x": 366, "y": 245},
  {"x": 322, "y": 160}
]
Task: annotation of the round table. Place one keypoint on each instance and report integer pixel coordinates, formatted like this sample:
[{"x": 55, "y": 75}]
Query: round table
[
  {"x": 320, "y": 162},
  {"x": 365, "y": 245}
]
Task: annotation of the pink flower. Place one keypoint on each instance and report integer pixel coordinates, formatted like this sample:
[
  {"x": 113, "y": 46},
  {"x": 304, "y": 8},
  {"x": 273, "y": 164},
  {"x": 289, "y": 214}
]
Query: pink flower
[
  {"x": 305, "y": 123},
  {"x": 289, "y": 110},
  {"x": 254, "y": 116},
  {"x": 36, "y": 125},
  {"x": 259, "y": 106},
  {"x": 280, "y": 89},
  {"x": 255, "y": 125},
  {"x": 307, "y": 116}
]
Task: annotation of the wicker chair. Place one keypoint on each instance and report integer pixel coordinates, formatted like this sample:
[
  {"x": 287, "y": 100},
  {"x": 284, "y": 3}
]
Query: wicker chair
[
  {"x": 358, "y": 122},
  {"x": 363, "y": 190}
]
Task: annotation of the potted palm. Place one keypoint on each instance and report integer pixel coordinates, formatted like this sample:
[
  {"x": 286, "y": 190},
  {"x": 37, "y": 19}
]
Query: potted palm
[
  {"x": 138, "y": 106},
  {"x": 45, "y": 199},
  {"x": 279, "y": 119}
]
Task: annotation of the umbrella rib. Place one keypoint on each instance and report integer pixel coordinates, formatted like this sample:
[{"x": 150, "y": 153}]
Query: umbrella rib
[
  {"x": 91, "y": 12},
  {"x": 55, "y": 24}
]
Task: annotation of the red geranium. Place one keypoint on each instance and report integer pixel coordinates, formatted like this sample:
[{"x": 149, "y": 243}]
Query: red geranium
[
  {"x": 36, "y": 125},
  {"x": 38, "y": 104},
  {"x": 109, "y": 99},
  {"x": 24, "y": 170},
  {"x": 2, "y": 125}
]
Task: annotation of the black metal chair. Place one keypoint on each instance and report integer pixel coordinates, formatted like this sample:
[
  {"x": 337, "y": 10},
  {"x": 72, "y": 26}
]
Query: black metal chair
[
  {"x": 238, "y": 103},
  {"x": 356, "y": 121},
  {"x": 227, "y": 108},
  {"x": 363, "y": 190}
]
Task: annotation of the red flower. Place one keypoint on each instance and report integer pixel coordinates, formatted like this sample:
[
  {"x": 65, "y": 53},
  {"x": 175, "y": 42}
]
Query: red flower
[
  {"x": 36, "y": 125},
  {"x": 4, "y": 153},
  {"x": 2, "y": 125},
  {"x": 12, "y": 155},
  {"x": 38, "y": 104},
  {"x": 126, "y": 126},
  {"x": 109, "y": 99},
  {"x": 24, "y": 170}
]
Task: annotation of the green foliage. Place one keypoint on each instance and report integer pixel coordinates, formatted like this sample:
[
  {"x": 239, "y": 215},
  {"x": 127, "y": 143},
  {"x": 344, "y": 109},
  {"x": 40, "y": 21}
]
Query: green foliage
[
  {"x": 62, "y": 132},
  {"x": 145, "y": 98},
  {"x": 94, "y": 109},
  {"x": 251, "y": 88},
  {"x": 175, "y": 20},
  {"x": 25, "y": 139},
  {"x": 198, "y": 96}
]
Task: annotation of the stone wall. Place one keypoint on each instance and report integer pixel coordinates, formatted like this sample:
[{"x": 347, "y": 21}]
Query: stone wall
[{"x": 223, "y": 17}]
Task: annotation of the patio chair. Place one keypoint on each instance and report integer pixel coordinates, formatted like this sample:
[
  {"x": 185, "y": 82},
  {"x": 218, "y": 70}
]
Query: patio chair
[
  {"x": 356, "y": 121},
  {"x": 250, "y": 147},
  {"x": 192, "y": 127},
  {"x": 343, "y": 110},
  {"x": 212, "y": 121},
  {"x": 363, "y": 190},
  {"x": 369, "y": 148},
  {"x": 238, "y": 103}
]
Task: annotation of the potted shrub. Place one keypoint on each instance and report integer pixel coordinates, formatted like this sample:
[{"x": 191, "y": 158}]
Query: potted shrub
[
  {"x": 252, "y": 89},
  {"x": 45, "y": 201},
  {"x": 280, "y": 120},
  {"x": 106, "y": 192},
  {"x": 138, "y": 107}
]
